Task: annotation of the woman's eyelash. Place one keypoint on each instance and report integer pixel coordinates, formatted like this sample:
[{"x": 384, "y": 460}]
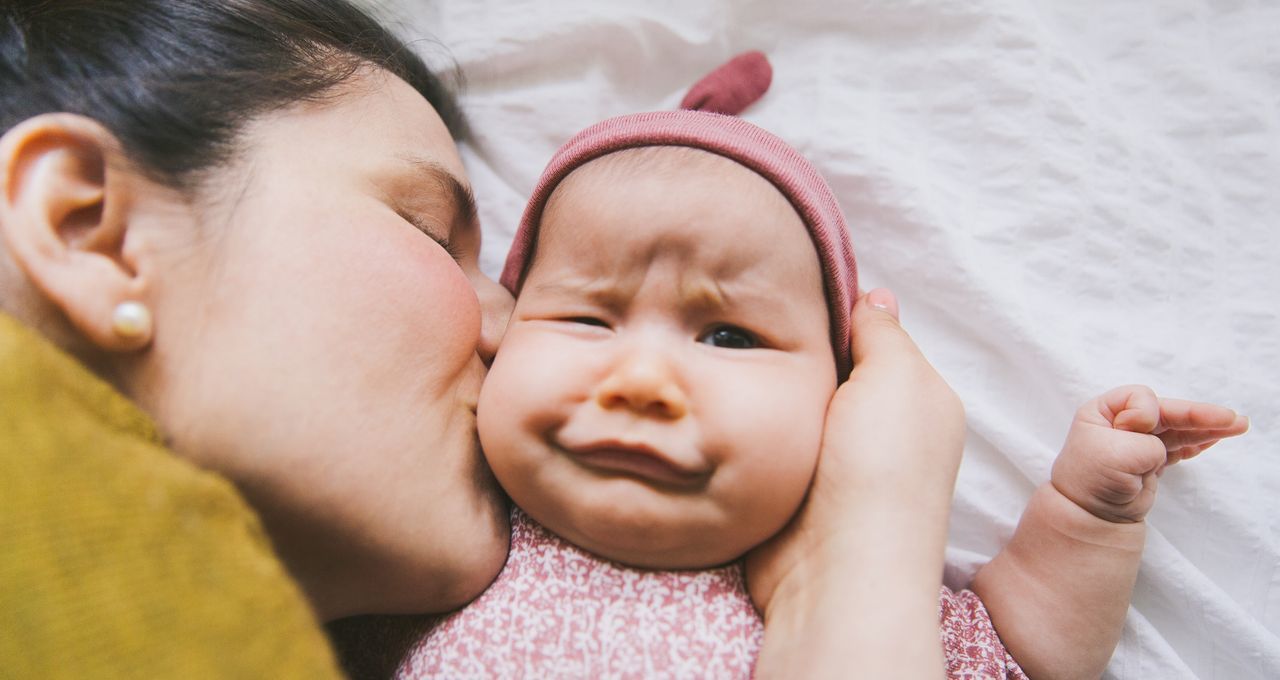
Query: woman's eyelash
[
  {"x": 454, "y": 251},
  {"x": 423, "y": 226}
]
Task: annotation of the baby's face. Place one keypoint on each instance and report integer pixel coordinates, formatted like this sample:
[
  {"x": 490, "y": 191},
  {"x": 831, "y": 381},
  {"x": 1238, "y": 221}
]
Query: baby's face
[{"x": 660, "y": 394}]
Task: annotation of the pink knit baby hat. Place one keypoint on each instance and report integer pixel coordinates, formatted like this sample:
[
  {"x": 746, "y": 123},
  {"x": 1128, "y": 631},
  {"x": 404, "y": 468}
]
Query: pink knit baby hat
[{"x": 708, "y": 122}]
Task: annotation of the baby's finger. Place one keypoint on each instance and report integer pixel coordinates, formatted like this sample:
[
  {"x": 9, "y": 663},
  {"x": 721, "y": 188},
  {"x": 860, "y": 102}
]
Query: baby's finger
[
  {"x": 1179, "y": 414},
  {"x": 1133, "y": 408},
  {"x": 1187, "y": 452},
  {"x": 1176, "y": 439}
]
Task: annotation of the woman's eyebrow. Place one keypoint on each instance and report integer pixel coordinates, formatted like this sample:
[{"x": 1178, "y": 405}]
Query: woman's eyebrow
[{"x": 461, "y": 201}]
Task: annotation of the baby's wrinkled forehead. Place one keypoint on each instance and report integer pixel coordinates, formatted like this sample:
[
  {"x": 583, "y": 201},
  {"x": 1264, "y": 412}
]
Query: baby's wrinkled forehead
[
  {"x": 677, "y": 203},
  {"x": 664, "y": 162}
]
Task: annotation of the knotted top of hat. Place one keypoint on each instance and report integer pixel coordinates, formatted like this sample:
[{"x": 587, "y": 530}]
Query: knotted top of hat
[{"x": 708, "y": 121}]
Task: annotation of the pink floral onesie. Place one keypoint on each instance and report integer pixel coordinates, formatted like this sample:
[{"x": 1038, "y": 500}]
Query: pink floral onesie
[{"x": 557, "y": 611}]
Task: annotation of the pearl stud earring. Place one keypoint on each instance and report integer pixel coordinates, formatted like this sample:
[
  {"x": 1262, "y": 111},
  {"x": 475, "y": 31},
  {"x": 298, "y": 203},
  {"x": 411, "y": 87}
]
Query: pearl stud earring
[{"x": 131, "y": 320}]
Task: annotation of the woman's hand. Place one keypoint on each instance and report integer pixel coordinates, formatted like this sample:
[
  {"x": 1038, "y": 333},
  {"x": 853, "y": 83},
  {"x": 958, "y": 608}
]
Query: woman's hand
[{"x": 855, "y": 575}]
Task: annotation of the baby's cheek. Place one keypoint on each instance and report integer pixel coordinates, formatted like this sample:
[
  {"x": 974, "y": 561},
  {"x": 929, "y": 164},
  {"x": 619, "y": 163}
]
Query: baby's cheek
[
  {"x": 779, "y": 455},
  {"x": 499, "y": 413},
  {"x": 519, "y": 409}
]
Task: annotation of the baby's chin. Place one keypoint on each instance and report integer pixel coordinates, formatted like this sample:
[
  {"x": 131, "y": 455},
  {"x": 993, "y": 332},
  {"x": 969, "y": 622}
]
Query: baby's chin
[{"x": 652, "y": 538}]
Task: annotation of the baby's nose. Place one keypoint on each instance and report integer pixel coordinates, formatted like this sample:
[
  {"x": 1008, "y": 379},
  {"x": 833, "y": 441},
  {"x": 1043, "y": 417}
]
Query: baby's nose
[{"x": 646, "y": 384}]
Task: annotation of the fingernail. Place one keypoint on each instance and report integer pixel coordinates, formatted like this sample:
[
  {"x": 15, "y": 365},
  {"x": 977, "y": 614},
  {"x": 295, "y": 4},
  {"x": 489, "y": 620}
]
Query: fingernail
[{"x": 884, "y": 300}]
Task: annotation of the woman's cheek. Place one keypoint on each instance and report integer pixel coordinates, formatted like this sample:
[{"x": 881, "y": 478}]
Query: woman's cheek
[{"x": 445, "y": 304}]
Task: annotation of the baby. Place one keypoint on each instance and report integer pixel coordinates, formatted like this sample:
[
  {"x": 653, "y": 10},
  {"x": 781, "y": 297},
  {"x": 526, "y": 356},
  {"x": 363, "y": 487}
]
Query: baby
[{"x": 683, "y": 283}]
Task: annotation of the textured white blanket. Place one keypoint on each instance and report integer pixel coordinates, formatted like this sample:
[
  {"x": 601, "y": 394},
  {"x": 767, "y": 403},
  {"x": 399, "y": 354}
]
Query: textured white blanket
[{"x": 1066, "y": 196}]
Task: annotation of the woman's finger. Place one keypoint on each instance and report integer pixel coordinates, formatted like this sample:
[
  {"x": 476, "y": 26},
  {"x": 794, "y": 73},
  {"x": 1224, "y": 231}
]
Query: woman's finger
[{"x": 876, "y": 329}]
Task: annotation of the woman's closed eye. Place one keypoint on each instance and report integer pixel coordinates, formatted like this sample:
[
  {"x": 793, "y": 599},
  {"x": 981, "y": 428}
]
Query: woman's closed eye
[
  {"x": 729, "y": 337},
  {"x": 436, "y": 233}
]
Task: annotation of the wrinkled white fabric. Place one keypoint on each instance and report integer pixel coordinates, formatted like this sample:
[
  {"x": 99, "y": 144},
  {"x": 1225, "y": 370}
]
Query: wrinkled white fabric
[{"x": 1066, "y": 196}]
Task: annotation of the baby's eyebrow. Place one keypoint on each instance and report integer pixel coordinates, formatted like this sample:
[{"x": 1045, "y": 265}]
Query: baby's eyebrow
[
  {"x": 604, "y": 294},
  {"x": 698, "y": 296},
  {"x": 701, "y": 295}
]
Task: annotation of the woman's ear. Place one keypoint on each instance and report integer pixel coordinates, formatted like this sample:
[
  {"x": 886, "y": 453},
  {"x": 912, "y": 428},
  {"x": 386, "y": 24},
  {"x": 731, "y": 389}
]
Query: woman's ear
[{"x": 65, "y": 195}]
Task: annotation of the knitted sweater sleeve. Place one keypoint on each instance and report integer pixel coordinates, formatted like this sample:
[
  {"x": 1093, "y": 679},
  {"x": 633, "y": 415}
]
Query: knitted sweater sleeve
[{"x": 120, "y": 560}]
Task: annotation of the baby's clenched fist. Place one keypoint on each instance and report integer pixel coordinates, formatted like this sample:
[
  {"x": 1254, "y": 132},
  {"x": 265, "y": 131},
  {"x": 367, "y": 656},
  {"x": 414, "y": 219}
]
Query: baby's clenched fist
[{"x": 1120, "y": 443}]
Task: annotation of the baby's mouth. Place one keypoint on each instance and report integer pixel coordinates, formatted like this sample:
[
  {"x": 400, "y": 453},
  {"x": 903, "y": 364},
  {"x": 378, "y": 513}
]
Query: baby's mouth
[{"x": 640, "y": 461}]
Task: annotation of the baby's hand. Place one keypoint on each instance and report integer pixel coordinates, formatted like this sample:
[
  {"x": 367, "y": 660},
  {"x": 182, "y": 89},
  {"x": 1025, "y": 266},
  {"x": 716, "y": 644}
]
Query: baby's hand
[{"x": 1120, "y": 443}]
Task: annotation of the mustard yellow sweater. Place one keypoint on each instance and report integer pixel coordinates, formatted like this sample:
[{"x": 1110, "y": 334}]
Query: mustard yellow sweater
[{"x": 118, "y": 559}]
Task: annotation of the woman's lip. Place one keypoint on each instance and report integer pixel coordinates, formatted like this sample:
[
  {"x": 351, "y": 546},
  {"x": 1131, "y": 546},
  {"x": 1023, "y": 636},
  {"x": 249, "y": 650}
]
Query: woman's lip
[{"x": 640, "y": 461}]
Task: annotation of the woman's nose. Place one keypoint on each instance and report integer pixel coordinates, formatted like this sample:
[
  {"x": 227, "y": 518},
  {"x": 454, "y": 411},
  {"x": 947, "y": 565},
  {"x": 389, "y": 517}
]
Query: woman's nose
[
  {"x": 495, "y": 308},
  {"x": 646, "y": 384}
]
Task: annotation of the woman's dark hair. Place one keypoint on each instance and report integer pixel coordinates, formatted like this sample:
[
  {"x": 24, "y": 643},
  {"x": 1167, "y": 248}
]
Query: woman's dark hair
[{"x": 177, "y": 80}]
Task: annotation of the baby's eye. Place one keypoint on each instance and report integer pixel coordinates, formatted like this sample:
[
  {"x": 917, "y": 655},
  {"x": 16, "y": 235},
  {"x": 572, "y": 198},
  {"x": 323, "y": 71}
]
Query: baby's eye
[
  {"x": 587, "y": 321},
  {"x": 730, "y": 337}
]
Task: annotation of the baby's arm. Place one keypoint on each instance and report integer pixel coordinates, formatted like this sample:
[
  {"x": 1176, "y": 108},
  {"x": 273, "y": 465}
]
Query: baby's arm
[{"x": 1058, "y": 592}]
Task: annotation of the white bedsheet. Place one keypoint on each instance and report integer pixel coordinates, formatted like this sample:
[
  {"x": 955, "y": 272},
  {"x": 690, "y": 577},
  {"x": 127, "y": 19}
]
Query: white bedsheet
[{"x": 1066, "y": 196}]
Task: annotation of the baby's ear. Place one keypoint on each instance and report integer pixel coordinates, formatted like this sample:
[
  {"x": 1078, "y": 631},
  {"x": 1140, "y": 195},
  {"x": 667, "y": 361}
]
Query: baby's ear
[{"x": 65, "y": 201}]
